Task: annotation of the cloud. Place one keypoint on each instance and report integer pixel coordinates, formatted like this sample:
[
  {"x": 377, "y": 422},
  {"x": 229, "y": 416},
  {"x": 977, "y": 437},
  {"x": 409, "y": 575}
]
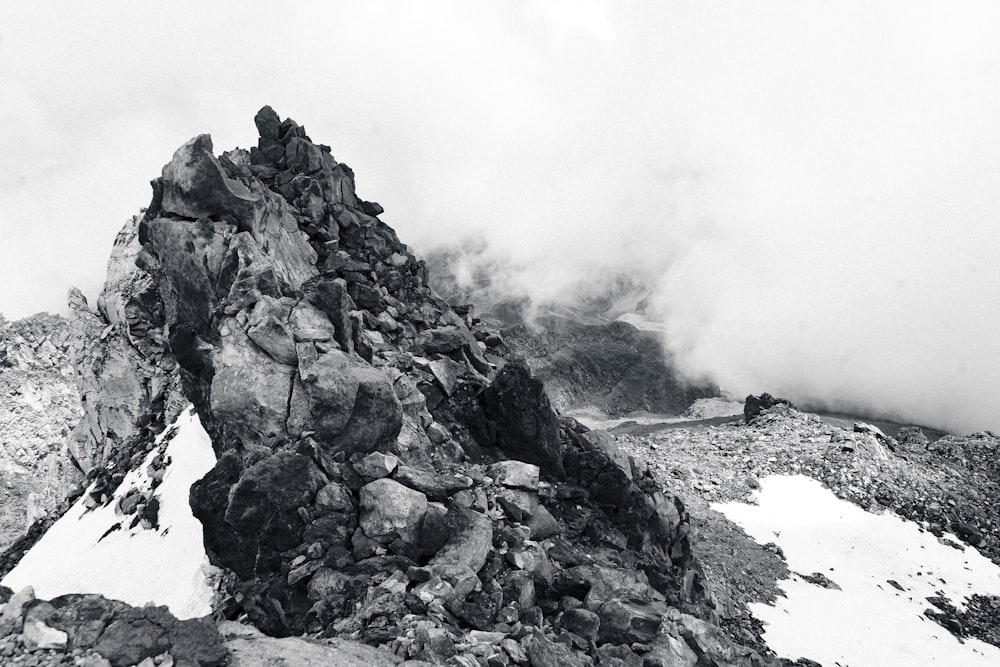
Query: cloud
[{"x": 809, "y": 186}]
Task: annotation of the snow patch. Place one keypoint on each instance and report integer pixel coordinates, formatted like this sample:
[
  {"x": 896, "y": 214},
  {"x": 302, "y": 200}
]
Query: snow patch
[
  {"x": 165, "y": 566},
  {"x": 869, "y": 623}
]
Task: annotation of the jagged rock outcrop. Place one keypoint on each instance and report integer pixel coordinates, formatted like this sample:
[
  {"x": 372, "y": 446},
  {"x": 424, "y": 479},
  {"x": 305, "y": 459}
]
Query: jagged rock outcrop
[
  {"x": 755, "y": 405},
  {"x": 127, "y": 376},
  {"x": 39, "y": 405},
  {"x": 383, "y": 473}
]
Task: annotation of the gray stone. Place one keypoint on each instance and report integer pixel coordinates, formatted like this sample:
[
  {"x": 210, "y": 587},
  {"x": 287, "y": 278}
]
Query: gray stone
[
  {"x": 629, "y": 619},
  {"x": 391, "y": 511},
  {"x": 436, "y": 486},
  {"x": 518, "y": 503},
  {"x": 376, "y": 465},
  {"x": 248, "y": 647},
  {"x": 582, "y": 622},
  {"x": 470, "y": 544},
  {"x": 515, "y": 474},
  {"x": 544, "y": 653},
  {"x": 543, "y": 525},
  {"x": 195, "y": 185}
]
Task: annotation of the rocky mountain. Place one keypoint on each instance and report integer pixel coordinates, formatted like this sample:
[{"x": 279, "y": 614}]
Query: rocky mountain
[{"x": 386, "y": 472}]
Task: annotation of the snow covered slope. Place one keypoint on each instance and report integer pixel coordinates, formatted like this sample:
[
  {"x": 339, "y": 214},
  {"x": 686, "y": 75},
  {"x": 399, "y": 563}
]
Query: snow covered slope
[
  {"x": 870, "y": 622},
  {"x": 165, "y": 565}
]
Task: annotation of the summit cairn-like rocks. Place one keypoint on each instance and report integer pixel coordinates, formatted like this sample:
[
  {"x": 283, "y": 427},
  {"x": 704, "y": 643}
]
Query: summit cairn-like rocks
[{"x": 754, "y": 405}]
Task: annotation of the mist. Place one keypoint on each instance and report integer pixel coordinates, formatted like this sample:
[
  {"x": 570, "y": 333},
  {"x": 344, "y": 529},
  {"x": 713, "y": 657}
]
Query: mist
[{"x": 809, "y": 189}]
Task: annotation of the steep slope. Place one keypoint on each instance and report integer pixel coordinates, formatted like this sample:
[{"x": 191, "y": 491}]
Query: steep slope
[
  {"x": 382, "y": 474},
  {"x": 144, "y": 545},
  {"x": 357, "y": 423}
]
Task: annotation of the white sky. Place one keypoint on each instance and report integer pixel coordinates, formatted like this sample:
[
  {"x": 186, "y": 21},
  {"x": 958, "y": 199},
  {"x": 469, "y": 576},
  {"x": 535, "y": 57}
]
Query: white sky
[{"x": 812, "y": 185}]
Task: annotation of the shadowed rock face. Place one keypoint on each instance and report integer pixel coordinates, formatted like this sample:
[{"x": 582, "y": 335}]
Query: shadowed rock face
[{"x": 380, "y": 476}]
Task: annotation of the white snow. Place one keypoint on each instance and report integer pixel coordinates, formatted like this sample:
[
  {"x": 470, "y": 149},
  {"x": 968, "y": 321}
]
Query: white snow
[
  {"x": 165, "y": 566},
  {"x": 869, "y": 623}
]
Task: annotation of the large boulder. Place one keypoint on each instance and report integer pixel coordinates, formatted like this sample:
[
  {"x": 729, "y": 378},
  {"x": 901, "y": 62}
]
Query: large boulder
[
  {"x": 195, "y": 186},
  {"x": 527, "y": 428},
  {"x": 391, "y": 511}
]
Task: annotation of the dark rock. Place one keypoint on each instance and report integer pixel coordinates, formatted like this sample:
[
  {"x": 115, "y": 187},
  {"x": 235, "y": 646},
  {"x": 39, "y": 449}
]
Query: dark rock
[
  {"x": 134, "y": 635},
  {"x": 372, "y": 208},
  {"x": 754, "y": 405},
  {"x": 84, "y": 617},
  {"x": 582, "y": 622},
  {"x": 526, "y": 425},
  {"x": 618, "y": 656},
  {"x": 627, "y": 620},
  {"x": 195, "y": 185},
  {"x": 268, "y": 123},
  {"x": 544, "y": 653},
  {"x": 198, "y": 642},
  {"x": 330, "y": 296},
  {"x": 542, "y": 524}
]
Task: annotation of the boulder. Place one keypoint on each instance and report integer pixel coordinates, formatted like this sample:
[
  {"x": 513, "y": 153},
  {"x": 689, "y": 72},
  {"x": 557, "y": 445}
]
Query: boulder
[
  {"x": 434, "y": 485},
  {"x": 195, "y": 185},
  {"x": 515, "y": 474},
  {"x": 391, "y": 511},
  {"x": 545, "y": 653},
  {"x": 348, "y": 406},
  {"x": 625, "y": 620},
  {"x": 377, "y": 465},
  {"x": 268, "y": 123},
  {"x": 527, "y": 428},
  {"x": 134, "y": 635},
  {"x": 582, "y": 622},
  {"x": 465, "y": 552}
]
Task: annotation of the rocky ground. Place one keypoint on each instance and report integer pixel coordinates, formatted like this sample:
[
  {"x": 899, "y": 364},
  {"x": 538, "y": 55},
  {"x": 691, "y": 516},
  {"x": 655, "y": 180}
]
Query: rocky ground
[
  {"x": 947, "y": 485},
  {"x": 39, "y": 406}
]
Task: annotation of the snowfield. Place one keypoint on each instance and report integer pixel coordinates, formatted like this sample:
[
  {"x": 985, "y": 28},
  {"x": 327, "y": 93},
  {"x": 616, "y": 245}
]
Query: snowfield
[
  {"x": 166, "y": 566},
  {"x": 869, "y": 623}
]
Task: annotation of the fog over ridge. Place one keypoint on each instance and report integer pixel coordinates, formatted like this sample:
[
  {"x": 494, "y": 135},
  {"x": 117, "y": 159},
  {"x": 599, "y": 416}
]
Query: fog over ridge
[{"x": 810, "y": 189}]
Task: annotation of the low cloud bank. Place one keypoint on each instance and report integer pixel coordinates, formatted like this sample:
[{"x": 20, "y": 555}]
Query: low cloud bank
[{"x": 809, "y": 189}]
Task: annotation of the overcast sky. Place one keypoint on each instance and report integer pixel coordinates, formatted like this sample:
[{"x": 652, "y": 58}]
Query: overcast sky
[{"x": 813, "y": 187}]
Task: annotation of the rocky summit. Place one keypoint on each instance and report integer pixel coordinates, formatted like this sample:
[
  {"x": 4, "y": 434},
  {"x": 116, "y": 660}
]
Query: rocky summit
[{"x": 386, "y": 473}]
